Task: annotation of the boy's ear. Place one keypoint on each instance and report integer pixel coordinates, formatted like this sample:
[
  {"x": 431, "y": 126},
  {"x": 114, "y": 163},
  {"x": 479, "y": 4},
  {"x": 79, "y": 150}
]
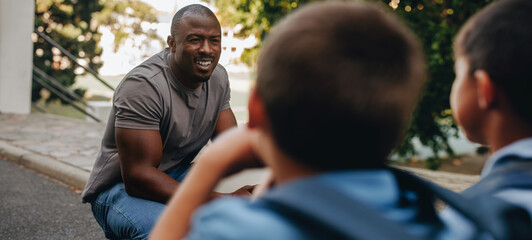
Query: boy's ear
[
  {"x": 485, "y": 89},
  {"x": 257, "y": 112}
]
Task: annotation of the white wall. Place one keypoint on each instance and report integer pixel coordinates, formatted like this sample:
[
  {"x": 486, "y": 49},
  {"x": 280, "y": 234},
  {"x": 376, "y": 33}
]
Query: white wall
[{"x": 16, "y": 48}]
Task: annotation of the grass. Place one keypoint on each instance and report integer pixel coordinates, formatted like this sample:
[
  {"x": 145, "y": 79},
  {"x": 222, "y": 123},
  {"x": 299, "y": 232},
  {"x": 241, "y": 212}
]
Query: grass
[
  {"x": 95, "y": 89},
  {"x": 55, "y": 107}
]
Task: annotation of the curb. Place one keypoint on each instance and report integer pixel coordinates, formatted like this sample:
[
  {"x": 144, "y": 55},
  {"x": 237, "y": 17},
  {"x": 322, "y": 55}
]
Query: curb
[
  {"x": 50, "y": 167},
  {"x": 78, "y": 177}
]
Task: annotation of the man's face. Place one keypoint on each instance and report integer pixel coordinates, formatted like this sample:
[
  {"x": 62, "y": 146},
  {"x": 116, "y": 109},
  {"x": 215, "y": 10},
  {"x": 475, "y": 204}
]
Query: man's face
[
  {"x": 196, "y": 48},
  {"x": 464, "y": 101}
]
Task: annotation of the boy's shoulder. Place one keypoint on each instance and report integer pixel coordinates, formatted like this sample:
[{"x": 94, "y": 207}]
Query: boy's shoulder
[
  {"x": 511, "y": 154},
  {"x": 240, "y": 218},
  {"x": 508, "y": 175},
  {"x": 337, "y": 193}
]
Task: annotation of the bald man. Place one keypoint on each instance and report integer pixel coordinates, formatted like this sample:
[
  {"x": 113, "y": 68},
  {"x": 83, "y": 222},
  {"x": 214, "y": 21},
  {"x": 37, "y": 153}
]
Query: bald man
[{"x": 164, "y": 111}]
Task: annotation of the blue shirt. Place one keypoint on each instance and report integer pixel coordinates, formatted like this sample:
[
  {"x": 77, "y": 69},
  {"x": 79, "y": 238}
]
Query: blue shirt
[
  {"x": 240, "y": 218},
  {"x": 520, "y": 197}
]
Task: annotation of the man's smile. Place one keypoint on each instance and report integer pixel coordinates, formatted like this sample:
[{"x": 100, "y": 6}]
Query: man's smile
[{"x": 204, "y": 63}]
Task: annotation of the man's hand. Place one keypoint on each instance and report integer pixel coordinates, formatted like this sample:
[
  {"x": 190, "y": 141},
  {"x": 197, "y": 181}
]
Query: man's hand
[
  {"x": 230, "y": 153},
  {"x": 246, "y": 191}
]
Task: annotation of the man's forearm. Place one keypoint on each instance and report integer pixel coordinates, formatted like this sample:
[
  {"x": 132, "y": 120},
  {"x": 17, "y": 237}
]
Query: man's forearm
[
  {"x": 156, "y": 187},
  {"x": 151, "y": 184}
]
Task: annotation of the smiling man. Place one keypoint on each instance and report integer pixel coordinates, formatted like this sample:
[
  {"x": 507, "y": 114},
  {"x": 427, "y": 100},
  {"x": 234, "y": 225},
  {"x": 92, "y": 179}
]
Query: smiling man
[{"x": 164, "y": 111}]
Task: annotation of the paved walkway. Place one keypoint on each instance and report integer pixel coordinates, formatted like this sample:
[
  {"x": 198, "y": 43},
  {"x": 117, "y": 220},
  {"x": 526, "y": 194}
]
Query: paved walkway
[
  {"x": 63, "y": 148},
  {"x": 66, "y": 149}
]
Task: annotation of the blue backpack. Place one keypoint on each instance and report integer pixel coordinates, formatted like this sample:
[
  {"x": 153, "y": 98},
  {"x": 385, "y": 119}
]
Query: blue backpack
[{"x": 331, "y": 215}]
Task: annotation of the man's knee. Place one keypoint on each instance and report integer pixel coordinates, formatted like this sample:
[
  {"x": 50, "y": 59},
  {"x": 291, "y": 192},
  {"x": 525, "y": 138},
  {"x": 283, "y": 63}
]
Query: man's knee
[{"x": 124, "y": 216}]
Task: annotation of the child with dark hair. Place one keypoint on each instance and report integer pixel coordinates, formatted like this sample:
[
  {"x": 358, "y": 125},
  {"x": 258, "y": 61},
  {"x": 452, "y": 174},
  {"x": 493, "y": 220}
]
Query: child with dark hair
[
  {"x": 490, "y": 99},
  {"x": 336, "y": 86}
]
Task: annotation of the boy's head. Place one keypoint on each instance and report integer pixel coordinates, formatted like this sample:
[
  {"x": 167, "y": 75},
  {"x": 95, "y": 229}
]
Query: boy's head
[
  {"x": 338, "y": 82},
  {"x": 493, "y": 54}
]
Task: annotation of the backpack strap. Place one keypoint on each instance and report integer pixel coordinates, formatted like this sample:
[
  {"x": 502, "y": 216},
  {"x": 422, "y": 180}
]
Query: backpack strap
[
  {"x": 511, "y": 172},
  {"x": 489, "y": 214},
  {"x": 331, "y": 215}
]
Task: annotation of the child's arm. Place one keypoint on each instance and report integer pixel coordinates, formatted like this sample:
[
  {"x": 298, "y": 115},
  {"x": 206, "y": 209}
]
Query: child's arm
[
  {"x": 261, "y": 188},
  {"x": 230, "y": 153}
]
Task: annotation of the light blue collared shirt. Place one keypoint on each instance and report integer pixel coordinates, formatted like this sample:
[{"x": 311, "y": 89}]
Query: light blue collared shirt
[
  {"x": 239, "y": 218},
  {"x": 520, "y": 197},
  {"x": 519, "y": 149}
]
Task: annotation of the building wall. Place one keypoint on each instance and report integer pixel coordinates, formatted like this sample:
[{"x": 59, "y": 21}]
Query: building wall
[{"x": 16, "y": 55}]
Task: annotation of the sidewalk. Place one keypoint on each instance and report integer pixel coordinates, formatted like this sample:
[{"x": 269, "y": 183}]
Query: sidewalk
[
  {"x": 62, "y": 148},
  {"x": 66, "y": 148}
]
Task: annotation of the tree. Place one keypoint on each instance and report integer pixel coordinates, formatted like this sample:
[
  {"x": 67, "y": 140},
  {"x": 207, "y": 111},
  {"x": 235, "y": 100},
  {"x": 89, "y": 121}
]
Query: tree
[
  {"x": 435, "y": 22},
  {"x": 256, "y": 17},
  {"x": 125, "y": 20},
  {"x": 74, "y": 24}
]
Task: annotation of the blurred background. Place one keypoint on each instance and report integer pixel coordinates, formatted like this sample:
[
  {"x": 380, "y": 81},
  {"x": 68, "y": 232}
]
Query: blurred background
[{"x": 88, "y": 46}]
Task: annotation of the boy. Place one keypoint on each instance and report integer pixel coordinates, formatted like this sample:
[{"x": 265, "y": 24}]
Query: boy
[
  {"x": 336, "y": 85},
  {"x": 490, "y": 98}
]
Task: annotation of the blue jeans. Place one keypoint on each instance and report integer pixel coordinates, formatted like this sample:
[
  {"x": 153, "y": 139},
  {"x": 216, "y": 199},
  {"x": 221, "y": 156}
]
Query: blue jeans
[{"x": 125, "y": 217}]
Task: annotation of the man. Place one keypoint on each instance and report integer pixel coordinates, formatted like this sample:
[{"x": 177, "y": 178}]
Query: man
[{"x": 164, "y": 111}]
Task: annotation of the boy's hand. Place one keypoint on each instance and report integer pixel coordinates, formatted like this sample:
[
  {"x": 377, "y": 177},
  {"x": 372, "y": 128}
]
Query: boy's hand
[{"x": 231, "y": 152}]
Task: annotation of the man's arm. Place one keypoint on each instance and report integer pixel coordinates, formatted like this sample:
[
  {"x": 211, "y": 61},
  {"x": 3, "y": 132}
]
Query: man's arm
[
  {"x": 140, "y": 153},
  {"x": 226, "y": 120}
]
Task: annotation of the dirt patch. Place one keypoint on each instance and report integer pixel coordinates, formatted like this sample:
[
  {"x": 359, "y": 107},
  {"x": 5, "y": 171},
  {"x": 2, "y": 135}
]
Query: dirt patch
[{"x": 467, "y": 164}]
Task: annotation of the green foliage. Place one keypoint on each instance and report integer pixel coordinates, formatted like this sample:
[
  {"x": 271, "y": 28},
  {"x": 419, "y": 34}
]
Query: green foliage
[
  {"x": 74, "y": 25},
  {"x": 135, "y": 12},
  {"x": 435, "y": 22},
  {"x": 256, "y": 17},
  {"x": 69, "y": 25},
  {"x": 433, "y": 163}
]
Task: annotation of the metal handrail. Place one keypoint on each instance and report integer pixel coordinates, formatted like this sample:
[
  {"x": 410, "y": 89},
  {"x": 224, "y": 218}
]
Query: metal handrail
[
  {"x": 72, "y": 57},
  {"x": 62, "y": 96},
  {"x": 58, "y": 85}
]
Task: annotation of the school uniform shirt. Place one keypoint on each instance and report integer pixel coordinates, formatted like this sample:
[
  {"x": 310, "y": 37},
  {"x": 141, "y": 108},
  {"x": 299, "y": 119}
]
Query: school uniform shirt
[
  {"x": 239, "y": 218},
  {"x": 521, "y": 149}
]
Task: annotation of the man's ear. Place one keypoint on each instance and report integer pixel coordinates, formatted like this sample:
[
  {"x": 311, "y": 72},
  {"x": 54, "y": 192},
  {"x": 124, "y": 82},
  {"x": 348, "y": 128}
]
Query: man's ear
[
  {"x": 257, "y": 111},
  {"x": 171, "y": 42},
  {"x": 485, "y": 89}
]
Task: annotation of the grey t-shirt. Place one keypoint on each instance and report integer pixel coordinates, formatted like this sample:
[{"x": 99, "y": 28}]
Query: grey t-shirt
[{"x": 151, "y": 98}]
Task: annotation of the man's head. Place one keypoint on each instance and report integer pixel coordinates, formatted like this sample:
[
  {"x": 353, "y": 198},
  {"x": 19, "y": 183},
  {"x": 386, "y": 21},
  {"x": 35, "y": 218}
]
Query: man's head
[
  {"x": 493, "y": 54},
  {"x": 195, "y": 42},
  {"x": 338, "y": 82}
]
